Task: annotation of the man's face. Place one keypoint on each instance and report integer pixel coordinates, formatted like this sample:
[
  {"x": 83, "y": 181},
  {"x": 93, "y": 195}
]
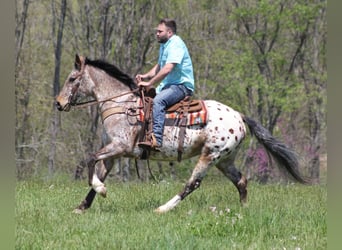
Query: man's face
[{"x": 163, "y": 33}]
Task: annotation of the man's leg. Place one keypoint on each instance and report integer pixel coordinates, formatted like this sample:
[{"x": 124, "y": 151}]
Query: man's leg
[{"x": 163, "y": 100}]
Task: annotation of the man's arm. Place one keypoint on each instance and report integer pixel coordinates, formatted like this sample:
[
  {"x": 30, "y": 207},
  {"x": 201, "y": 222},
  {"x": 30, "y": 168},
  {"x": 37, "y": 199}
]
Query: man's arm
[
  {"x": 161, "y": 74},
  {"x": 148, "y": 75}
]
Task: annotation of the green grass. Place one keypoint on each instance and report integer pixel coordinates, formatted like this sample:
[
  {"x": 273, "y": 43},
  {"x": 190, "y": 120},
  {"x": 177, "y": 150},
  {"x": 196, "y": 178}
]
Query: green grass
[{"x": 277, "y": 217}]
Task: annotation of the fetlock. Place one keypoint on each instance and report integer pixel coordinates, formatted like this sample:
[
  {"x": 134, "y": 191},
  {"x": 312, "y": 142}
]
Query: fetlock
[{"x": 242, "y": 188}]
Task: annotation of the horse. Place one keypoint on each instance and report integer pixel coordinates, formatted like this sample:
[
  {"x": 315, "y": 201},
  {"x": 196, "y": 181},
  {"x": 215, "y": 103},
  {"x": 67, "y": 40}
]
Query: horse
[{"x": 216, "y": 142}]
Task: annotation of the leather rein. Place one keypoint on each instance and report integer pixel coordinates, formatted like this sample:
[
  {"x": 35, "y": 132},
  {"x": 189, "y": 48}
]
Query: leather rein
[
  {"x": 78, "y": 77},
  {"x": 94, "y": 102}
]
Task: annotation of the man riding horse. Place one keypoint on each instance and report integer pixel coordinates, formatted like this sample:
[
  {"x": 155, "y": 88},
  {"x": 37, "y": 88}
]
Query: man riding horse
[{"x": 174, "y": 70}]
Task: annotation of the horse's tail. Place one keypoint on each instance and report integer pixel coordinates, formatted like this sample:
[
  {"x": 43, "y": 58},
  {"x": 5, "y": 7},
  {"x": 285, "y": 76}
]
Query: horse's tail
[{"x": 282, "y": 154}]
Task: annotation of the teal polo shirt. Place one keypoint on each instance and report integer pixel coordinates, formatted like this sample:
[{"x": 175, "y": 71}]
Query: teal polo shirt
[{"x": 175, "y": 51}]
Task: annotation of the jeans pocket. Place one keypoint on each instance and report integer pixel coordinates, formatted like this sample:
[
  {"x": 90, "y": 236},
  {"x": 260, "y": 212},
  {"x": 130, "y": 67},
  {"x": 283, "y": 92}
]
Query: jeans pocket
[{"x": 187, "y": 92}]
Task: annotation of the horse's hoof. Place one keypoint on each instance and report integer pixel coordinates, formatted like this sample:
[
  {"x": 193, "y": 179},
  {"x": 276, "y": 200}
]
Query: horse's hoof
[
  {"x": 244, "y": 204},
  {"x": 78, "y": 211},
  {"x": 160, "y": 210},
  {"x": 104, "y": 193}
]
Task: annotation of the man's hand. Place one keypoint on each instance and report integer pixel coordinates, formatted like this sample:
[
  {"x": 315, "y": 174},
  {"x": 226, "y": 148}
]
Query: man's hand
[
  {"x": 146, "y": 85},
  {"x": 140, "y": 78}
]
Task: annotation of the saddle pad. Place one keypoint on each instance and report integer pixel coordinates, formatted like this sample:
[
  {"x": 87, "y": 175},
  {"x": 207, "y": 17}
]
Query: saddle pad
[
  {"x": 193, "y": 118},
  {"x": 173, "y": 118}
]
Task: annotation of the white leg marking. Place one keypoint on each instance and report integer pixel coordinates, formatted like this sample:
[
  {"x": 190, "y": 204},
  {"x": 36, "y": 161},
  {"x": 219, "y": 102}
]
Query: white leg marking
[
  {"x": 98, "y": 186},
  {"x": 169, "y": 205}
]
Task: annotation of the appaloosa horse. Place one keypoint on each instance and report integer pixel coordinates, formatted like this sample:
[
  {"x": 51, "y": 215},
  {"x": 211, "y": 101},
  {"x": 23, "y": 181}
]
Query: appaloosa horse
[{"x": 216, "y": 142}]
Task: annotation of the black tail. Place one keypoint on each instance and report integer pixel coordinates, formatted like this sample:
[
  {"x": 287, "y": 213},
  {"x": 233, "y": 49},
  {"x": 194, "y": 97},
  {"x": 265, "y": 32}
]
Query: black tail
[{"x": 282, "y": 154}]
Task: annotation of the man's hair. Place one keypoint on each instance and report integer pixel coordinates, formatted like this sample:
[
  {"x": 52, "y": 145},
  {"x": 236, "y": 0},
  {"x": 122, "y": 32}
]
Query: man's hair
[{"x": 170, "y": 23}]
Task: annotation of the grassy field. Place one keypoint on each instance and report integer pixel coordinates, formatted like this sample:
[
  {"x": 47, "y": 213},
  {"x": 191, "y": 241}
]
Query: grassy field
[{"x": 277, "y": 217}]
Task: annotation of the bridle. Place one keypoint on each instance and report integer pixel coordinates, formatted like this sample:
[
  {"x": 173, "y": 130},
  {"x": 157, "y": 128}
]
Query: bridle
[
  {"x": 94, "y": 102},
  {"x": 73, "y": 96}
]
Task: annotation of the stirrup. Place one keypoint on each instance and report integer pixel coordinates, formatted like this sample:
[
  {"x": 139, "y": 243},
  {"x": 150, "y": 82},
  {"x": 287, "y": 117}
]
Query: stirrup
[
  {"x": 150, "y": 144},
  {"x": 146, "y": 145}
]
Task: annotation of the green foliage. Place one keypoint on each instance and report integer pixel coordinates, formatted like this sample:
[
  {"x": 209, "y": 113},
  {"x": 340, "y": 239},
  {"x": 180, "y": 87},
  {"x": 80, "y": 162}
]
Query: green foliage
[{"x": 278, "y": 217}]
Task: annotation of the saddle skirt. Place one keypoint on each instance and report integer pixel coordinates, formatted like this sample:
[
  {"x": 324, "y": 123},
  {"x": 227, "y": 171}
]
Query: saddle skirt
[{"x": 195, "y": 110}]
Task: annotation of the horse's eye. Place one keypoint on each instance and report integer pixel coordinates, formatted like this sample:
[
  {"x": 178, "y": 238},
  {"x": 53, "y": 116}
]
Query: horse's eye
[{"x": 72, "y": 79}]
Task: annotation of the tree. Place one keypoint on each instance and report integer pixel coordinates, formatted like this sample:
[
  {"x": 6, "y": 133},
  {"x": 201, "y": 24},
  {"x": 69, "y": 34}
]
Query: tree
[
  {"x": 58, "y": 53},
  {"x": 21, "y": 92},
  {"x": 280, "y": 33}
]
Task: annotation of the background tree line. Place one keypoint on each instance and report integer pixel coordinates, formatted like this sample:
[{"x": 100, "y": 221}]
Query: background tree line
[{"x": 264, "y": 58}]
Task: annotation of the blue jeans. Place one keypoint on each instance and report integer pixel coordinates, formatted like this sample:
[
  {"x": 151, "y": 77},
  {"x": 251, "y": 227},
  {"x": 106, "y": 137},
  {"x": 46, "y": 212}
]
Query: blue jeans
[{"x": 164, "y": 99}]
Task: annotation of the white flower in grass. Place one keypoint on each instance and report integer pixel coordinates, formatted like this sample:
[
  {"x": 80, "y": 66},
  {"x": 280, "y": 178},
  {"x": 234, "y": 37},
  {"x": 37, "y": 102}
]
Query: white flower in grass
[
  {"x": 239, "y": 216},
  {"x": 212, "y": 209}
]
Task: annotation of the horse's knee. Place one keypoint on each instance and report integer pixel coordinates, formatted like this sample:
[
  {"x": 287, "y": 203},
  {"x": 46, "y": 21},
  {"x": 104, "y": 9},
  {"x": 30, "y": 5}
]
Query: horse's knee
[{"x": 189, "y": 188}]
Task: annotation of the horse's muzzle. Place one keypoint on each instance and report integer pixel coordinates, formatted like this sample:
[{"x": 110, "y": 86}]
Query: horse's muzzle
[{"x": 61, "y": 107}]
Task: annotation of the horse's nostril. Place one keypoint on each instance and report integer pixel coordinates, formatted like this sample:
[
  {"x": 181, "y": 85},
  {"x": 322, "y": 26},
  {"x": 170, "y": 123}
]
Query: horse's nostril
[{"x": 58, "y": 106}]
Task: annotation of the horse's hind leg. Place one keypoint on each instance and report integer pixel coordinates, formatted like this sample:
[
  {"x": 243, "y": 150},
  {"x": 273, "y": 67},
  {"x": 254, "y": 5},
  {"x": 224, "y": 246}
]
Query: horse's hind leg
[
  {"x": 193, "y": 183},
  {"x": 240, "y": 181}
]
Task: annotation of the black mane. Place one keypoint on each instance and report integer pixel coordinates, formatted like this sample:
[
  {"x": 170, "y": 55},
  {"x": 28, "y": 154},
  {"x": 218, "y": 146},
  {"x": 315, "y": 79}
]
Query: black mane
[{"x": 113, "y": 71}]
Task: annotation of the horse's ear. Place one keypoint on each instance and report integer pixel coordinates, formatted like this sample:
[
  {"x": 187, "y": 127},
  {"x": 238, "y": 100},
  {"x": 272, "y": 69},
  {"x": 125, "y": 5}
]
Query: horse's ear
[{"x": 78, "y": 62}]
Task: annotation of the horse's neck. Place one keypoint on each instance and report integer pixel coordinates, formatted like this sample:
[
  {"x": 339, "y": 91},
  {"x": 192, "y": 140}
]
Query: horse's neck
[{"x": 107, "y": 87}]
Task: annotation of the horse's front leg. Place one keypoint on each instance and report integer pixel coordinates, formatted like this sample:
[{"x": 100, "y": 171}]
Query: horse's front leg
[
  {"x": 93, "y": 177},
  {"x": 104, "y": 169},
  {"x": 109, "y": 151}
]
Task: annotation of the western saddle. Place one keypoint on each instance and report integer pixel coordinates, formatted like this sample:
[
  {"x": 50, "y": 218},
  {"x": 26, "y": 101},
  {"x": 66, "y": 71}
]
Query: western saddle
[{"x": 176, "y": 115}]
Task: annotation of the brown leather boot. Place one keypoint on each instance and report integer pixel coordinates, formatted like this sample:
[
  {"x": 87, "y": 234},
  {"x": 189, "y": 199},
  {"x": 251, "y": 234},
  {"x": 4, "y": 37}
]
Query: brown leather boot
[{"x": 150, "y": 144}]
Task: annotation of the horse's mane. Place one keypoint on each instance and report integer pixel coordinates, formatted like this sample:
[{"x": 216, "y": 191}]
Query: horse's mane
[{"x": 113, "y": 71}]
